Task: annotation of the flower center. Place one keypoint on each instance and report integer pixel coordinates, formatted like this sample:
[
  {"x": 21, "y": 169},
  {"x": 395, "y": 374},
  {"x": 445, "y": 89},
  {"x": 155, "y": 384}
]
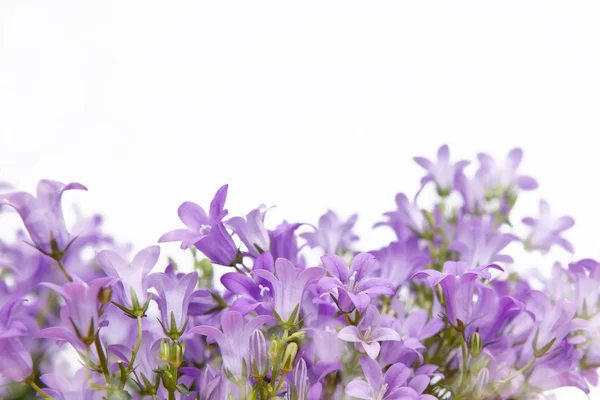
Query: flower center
[
  {"x": 351, "y": 286},
  {"x": 263, "y": 289},
  {"x": 204, "y": 229}
]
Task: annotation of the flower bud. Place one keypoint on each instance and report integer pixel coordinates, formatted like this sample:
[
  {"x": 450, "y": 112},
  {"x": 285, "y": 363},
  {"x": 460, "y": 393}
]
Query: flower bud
[
  {"x": 165, "y": 350},
  {"x": 440, "y": 294},
  {"x": 288, "y": 357},
  {"x": 475, "y": 345},
  {"x": 258, "y": 354},
  {"x": 274, "y": 349},
  {"x": 104, "y": 295},
  {"x": 177, "y": 354},
  {"x": 300, "y": 381}
]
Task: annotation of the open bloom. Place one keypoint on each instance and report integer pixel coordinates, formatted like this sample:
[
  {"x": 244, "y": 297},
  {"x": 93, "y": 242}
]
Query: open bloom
[
  {"x": 252, "y": 231},
  {"x": 42, "y": 215},
  {"x": 505, "y": 177},
  {"x": 82, "y": 309},
  {"x": 443, "y": 173},
  {"x": 406, "y": 220},
  {"x": 392, "y": 385},
  {"x": 464, "y": 297},
  {"x": 15, "y": 360},
  {"x": 369, "y": 332},
  {"x": 332, "y": 235},
  {"x": 288, "y": 286},
  {"x": 133, "y": 275},
  {"x": 353, "y": 286},
  {"x": 206, "y": 232},
  {"x": 174, "y": 296},
  {"x": 234, "y": 340},
  {"x": 546, "y": 231}
]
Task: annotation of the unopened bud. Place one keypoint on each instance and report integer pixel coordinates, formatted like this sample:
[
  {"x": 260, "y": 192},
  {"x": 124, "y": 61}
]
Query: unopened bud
[
  {"x": 258, "y": 354},
  {"x": 288, "y": 357},
  {"x": 104, "y": 295},
  {"x": 300, "y": 380},
  {"x": 274, "y": 349},
  {"x": 440, "y": 295},
  {"x": 177, "y": 353},
  {"x": 475, "y": 345},
  {"x": 165, "y": 351}
]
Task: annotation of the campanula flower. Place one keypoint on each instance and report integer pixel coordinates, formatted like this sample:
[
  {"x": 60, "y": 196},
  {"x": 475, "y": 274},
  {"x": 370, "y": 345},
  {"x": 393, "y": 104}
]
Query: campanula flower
[
  {"x": 442, "y": 172},
  {"x": 546, "y": 230},
  {"x": 332, "y": 235},
  {"x": 252, "y": 231}
]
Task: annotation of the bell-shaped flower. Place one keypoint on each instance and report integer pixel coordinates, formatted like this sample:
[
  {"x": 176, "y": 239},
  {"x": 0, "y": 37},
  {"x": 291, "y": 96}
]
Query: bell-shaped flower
[
  {"x": 15, "y": 360},
  {"x": 332, "y": 235},
  {"x": 288, "y": 287},
  {"x": 368, "y": 333},
  {"x": 442, "y": 172},
  {"x": 42, "y": 215},
  {"x": 206, "y": 232},
  {"x": 393, "y": 385},
  {"x": 234, "y": 340},
  {"x": 77, "y": 387},
  {"x": 174, "y": 296},
  {"x": 355, "y": 286},
  {"x": 252, "y": 231},
  {"x": 284, "y": 241},
  {"x": 463, "y": 295},
  {"x": 546, "y": 230},
  {"x": 499, "y": 179},
  {"x": 406, "y": 220},
  {"x": 132, "y": 293},
  {"x": 400, "y": 260},
  {"x": 82, "y": 308}
]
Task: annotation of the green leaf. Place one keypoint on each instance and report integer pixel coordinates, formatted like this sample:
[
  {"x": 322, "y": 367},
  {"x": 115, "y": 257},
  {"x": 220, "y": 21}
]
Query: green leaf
[{"x": 119, "y": 394}]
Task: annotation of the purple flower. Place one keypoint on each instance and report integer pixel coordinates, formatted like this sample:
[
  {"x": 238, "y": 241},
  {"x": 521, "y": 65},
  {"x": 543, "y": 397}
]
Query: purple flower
[
  {"x": 472, "y": 192},
  {"x": 252, "y": 231},
  {"x": 479, "y": 243},
  {"x": 552, "y": 323},
  {"x": 506, "y": 177},
  {"x": 42, "y": 215},
  {"x": 406, "y": 220},
  {"x": 332, "y": 235},
  {"x": 400, "y": 260},
  {"x": 355, "y": 286},
  {"x": 545, "y": 231},
  {"x": 389, "y": 386},
  {"x": 61, "y": 388},
  {"x": 284, "y": 243},
  {"x": 234, "y": 340},
  {"x": 463, "y": 295},
  {"x": 82, "y": 309},
  {"x": 288, "y": 286},
  {"x": 174, "y": 296},
  {"x": 206, "y": 232},
  {"x": 133, "y": 293},
  {"x": 443, "y": 173},
  {"x": 15, "y": 360},
  {"x": 367, "y": 335}
]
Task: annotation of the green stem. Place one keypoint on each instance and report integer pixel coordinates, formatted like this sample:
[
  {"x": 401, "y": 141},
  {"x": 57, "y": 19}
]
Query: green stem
[
  {"x": 102, "y": 358},
  {"x": 463, "y": 370},
  {"x": 519, "y": 372},
  {"x": 133, "y": 354},
  {"x": 64, "y": 271},
  {"x": 40, "y": 391}
]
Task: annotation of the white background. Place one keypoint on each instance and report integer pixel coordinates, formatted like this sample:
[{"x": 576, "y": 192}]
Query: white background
[{"x": 306, "y": 106}]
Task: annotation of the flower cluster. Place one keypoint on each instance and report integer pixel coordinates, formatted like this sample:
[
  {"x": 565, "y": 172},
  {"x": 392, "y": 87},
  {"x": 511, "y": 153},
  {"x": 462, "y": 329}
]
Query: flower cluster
[{"x": 298, "y": 312}]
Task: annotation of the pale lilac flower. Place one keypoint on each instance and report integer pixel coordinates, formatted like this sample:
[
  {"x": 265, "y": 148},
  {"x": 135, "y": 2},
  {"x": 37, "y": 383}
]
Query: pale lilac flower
[
  {"x": 234, "y": 340},
  {"x": 77, "y": 387},
  {"x": 353, "y": 287},
  {"x": 288, "y": 286},
  {"x": 504, "y": 177},
  {"x": 206, "y": 232},
  {"x": 174, "y": 296},
  {"x": 546, "y": 230},
  {"x": 443, "y": 173},
  {"x": 132, "y": 275},
  {"x": 400, "y": 260},
  {"x": 472, "y": 192},
  {"x": 406, "y": 220},
  {"x": 258, "y": 353},
  {"x": 332, "y": 235},
  {"x": 369, "y": 332},
  {"x": 284, "y": 242},
  {"x": 42, "y": 215},
  {"x": 15, "y": 360},
  {"x": 252, "y": 231}
]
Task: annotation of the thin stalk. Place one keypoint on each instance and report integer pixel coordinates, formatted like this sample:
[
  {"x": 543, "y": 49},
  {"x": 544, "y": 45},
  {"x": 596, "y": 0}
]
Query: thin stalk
[
  {"x": 40, "y": 391},
  {"x": 102, "y": 358},
  {"x": 133, "y": 354},
  {"x": 64, "y": 271}
]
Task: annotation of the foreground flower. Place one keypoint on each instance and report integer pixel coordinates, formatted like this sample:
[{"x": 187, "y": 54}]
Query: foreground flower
[
  {"x": 369, "y": 332},
  {"x": 353, "y": 287},
  {"x": 234, "y": 340},
  {"x": 206, "y": 232},
  {"x": 288, "y": 287},
  {"x": 252, "y": 231},
  {"x": 42, "y": 215},
  {"x": 133, "y": 294},
  {"x": 389, "y": 386}
]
